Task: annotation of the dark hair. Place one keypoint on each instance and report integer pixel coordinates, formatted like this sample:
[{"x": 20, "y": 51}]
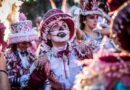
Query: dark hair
[
  {"x": 104, "y": 7},
  {"x": 81, "y": 19},
  {"x": 120, "y": 26},
  {"x": 49, "y": 42},
  {"x": 13, "y": 47}
]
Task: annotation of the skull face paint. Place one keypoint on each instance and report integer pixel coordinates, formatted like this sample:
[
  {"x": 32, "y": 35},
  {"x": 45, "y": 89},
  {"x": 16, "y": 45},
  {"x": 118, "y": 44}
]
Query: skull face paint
[{"x": 59, "y": 32}]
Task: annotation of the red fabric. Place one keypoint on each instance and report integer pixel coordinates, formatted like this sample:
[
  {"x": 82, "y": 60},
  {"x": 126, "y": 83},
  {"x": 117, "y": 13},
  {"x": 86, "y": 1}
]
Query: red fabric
[
  {"x": 2, "y": 42},
  {"x": 115, "y": 4},
  {"x": 37, "y": 79}
]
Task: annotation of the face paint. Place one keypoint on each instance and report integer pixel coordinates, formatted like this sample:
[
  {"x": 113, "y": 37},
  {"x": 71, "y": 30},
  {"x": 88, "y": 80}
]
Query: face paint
[
  {"x": 60, "y": 36},
  {"x": 60, "y": 32}
]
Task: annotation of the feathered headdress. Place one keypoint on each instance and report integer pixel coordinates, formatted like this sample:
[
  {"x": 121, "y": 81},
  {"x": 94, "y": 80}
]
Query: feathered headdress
[{"x": 89, "y": 7}]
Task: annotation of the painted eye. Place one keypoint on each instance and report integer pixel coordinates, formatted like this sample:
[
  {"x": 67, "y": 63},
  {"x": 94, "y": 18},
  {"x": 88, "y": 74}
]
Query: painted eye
[
  {"x": 54, "y": 27},
  {"x": 64, "y": 25}
]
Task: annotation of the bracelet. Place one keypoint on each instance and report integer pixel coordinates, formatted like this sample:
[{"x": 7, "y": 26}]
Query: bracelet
[{"x": 4, "y": 72}]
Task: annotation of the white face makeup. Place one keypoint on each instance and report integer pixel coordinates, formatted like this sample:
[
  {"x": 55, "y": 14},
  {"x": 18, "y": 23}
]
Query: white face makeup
[{"x": 59, "y": 32}]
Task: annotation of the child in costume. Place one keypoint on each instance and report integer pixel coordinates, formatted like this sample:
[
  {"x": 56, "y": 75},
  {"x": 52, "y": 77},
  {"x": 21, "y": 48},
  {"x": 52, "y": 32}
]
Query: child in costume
[
  {"x": 19, "y": 58},
  {"x": 59, "y": 67}
]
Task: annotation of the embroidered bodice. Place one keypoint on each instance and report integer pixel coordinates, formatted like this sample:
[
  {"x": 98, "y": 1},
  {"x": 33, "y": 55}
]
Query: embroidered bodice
[{"x": 18, "y": 64}]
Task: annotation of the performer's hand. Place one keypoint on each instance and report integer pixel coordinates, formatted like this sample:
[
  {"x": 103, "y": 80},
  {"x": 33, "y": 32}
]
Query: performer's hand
[
  {"x": 105, "y": 31},
  {"x": 56, "y": 85},
  {"x": 41, "y": 62}
]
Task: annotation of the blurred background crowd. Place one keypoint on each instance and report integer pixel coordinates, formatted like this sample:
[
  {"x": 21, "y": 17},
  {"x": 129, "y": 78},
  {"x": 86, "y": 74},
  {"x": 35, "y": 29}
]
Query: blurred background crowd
[{"x": 64, "y": 44}]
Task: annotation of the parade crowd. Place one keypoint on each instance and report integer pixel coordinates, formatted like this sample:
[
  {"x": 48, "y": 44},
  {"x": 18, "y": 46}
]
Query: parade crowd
[{"x": 82, "y": 47}]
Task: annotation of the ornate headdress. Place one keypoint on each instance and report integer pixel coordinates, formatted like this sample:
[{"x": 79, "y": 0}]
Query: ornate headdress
[
  {"x": 89, "y": 7},
  {"x": 50, "y": 18},
  {"x": 21, "y": 31}
]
